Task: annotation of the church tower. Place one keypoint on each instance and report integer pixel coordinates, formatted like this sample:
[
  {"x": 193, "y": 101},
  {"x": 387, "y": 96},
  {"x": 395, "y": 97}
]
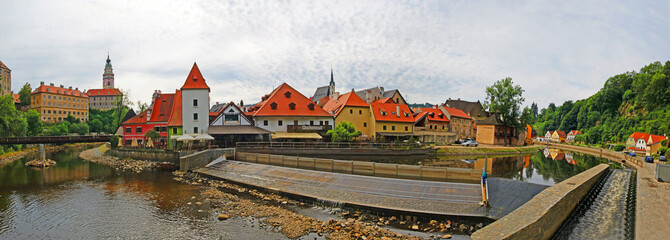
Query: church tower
[
  {"x": 108, "y": 76},
  {"x": 331, "y": 87}
]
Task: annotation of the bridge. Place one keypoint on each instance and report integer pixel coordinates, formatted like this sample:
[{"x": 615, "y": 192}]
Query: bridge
[{"x": 55, "y": 139}]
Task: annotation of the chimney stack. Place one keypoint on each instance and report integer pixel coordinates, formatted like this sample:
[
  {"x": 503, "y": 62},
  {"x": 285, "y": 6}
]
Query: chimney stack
[
  {"x": 61, "y": 86},
  {"x": 77, "y": 88},
  {"x": 241, "y": 103},
  {"x": 70, "y": 87},
  {"x": 51, "y": 84},
  {"x": 41, "y": 83}
]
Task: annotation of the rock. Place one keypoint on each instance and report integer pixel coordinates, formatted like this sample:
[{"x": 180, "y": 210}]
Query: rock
[
  {"x": 447, "y": 236},
  {"x": 462, "y": 227},
  {"x": 284, "y": 202},
  {"x": 402, "y": 222},
  {"x": 480, "y": 225},
  {"x": 198, "y": 203},
  {"x": 415, "y": 227},
  {"x": 433, "y": 222},
  {"x": 393, "y": 218},
  {"x": 223, "y": 217}
]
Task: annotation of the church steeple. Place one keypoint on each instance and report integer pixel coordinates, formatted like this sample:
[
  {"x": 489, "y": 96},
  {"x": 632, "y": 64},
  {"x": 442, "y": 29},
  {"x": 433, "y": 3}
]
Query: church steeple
[
  {"x": 108, "y": 75},
  {"x": 331, "y": 87}
]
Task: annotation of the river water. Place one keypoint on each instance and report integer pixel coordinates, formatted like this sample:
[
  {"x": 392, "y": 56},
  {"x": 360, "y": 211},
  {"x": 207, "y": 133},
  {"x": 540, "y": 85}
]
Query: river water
[{"x": 77, "y": 199}]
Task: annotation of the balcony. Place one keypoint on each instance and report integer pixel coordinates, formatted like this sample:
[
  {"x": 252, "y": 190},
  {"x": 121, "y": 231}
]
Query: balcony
[{"x": 308, "y": 128}]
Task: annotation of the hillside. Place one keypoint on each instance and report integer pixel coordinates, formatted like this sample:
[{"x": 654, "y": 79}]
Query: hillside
[{"x": 628, "y": 102}]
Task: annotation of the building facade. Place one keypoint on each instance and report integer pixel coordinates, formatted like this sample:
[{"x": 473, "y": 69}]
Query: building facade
[
  {"x": 460, "y": 123},
  {"x": 155, "y": 118},
  {"x": 493, "y": 130},
  {"x": 391, "y": 121},
  {"x": 349, "y": 107},
  {"x": 571, "y": 136},
  {"x": 195, "y": 103},
  {"x": 473, "y": 109},
  {"x": 558, "y": 137},
  {"x": 5, "y": 80},
  {"x": 106, "y": 98},
  {"x": 55, "y": 103}
]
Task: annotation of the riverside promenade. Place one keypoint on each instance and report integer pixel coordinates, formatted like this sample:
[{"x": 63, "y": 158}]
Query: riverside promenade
[{"x": 416, "y": 196}]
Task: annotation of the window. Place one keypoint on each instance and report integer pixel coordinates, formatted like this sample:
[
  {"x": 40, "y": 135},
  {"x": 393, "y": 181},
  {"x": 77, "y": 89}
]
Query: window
[
  {"x": 291, "y": 106},
  {"x": 384, "y": 127},
  {"x": 195, "y": 129},
  {"x": 228, "y": 118},
  {"x": 311, "y": 123},
  {"x": 195, "y": 102},
  {"x": 430, "y": 126},
  {"x": 295, "y": 122},
  {"x": 360, "y": 112},
  {"x": 174, "y": 131},
  {"x": 326, "y": 123},
  {"x": 280, "y": 122},
  {"x": 365, "y": 124},
  {"x": 287, "y": 94},
  {"x": 138, "y": 130},
  {"x": 351, "y": 111},
  {"x": 195, "y": 117},
  {"x": 157, "y": 129},
  {"x": 311, "y": 106},
  {"x": 265, "y": 122},
  {"x": 273, "y": 105},
  {"x": 406, "y": 129},
  {"x": 392, "y": 128},
  {"x": 320, "y": 123},
  {"x": 128, "y": 130}
]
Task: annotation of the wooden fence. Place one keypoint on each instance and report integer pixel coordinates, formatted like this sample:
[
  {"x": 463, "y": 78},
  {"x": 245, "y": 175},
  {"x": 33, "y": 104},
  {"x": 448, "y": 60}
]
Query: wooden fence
[{"x": 365, "y": 168}]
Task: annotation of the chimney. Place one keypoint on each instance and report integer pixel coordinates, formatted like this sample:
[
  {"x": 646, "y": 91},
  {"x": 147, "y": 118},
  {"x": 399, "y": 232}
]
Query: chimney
[
  {"x": 217, "y": 103},
  {"x": 51, "y": 84},
  {"x": 459, "y": 99},
  {"x": 70, "y": 87},
  {"x": 76, "y": 88},
  {"x": 241, "y": 103},
  {"x": 41, "y": 83},
  {"x": 381, "y": 88},
  {"x": 61, "y": 86},
  {"x": 397, "y": 110}
]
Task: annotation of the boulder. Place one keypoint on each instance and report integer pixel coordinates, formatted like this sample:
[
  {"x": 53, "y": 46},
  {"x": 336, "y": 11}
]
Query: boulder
[{"x": 223, "y": 217}]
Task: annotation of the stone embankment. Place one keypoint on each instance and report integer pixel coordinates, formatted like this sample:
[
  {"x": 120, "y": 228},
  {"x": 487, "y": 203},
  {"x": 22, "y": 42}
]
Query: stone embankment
[
  {"x": 485, "y": 150},
  {"x": 11, "y": 157},
  {"x": 97, "y": 155},
  {"x": 272, "y": 210}
]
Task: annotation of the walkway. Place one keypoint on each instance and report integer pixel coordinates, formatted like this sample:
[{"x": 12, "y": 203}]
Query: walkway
[
  {"x": 443, "y": 198},
  {"x": 653, "y": 205}
]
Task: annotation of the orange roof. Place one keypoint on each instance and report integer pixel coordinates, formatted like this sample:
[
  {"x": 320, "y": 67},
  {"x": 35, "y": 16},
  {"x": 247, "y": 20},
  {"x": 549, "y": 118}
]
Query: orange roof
[
  {"x": 657, "y": 139},
  {"x": 456, "y": 112},
  {"x": 175, "y": 113},
  {"x": 59, "y": 90},
  {"x": 2, "y": 65},
  {"x": 560, "y": 133},
  {"x": 16, "y": 98},
  {"x": 195, "y": 79},
  {"x": 574, "y": 132},
  {"x": 384, "y": 100},
  {"x": 137, "y": 119},
  {"x": 639, "y": 135},
  {"x": 322, "y": 102},
  {"x": 162, "y": 107},
  {"x": 350, "y": 99},
  {"x": 435, "y": 114},
  {"x": 387, "y": 112},
  {"x": 103, "y": 92},
  {"x": 419, "y": 116},
  {"x": 280, "y": 101}
]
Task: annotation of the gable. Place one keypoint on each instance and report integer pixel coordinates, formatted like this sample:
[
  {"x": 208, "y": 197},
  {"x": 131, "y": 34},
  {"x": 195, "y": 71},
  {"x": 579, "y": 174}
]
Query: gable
[{"x": 228, "y": 115}]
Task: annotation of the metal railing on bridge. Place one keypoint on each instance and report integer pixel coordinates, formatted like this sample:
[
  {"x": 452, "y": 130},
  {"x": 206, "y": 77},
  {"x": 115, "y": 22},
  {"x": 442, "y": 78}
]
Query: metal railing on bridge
[
  {"x": 55, "y": 139},
  {"x": 320, "y": 145}
]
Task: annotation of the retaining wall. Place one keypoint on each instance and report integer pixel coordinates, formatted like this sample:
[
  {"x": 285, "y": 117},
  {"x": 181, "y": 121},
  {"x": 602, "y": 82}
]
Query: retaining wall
[
  {"x": 364, "y": 168},
  {"x": 202, "y": 158},
  {"x": 338, "y": 151},
  {"x": 149, "y": 155},
  {"x": 632, "y": 162},
  {"x": 543, "y": 215}
]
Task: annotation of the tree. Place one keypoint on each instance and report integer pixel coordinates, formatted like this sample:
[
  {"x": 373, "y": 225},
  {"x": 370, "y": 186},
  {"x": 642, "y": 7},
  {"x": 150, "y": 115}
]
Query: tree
[
  {"x": 60, "y": 129},
  {"x": 505, "y": 98},
  {"x": 96, "y": 125},
  {"x": 121, "y": 102},
  {"x": 35, "y": 125},
  {"x": 533, "y": 107},
  {"x": 527, "y": 116},
  {"x": 24, "y": 95},
  {"x": 343, "y": 132},
  {"x": 79, "y": 128},
  {"x": 142, "y": 106},
  {"x": 12, "y": 122},
  {"x": 72, "y": 119}
]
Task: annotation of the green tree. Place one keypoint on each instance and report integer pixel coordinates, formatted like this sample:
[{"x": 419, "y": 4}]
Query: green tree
[
  {"x": 60, "y": 129},
  {"x": 72, "y": 119},
  {"x": 12, "y": 121},
  {"x": 114, "y": 142},
  {"x": 153, "y": 135},
  {"x": 35, "y": 125},
  {"x": 505, "y": 98},
  {"x": 142, "y": 106},
  {"x": 96, "y": 125},
  {"x": 24, "y": 95},
  {"x": 343, "y": 132},
  {"x": 79, "y": 128}
]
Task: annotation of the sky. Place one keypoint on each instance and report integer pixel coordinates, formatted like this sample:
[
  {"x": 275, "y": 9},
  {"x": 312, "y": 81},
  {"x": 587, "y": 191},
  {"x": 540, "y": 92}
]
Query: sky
[{"x": 429, "y": 50}]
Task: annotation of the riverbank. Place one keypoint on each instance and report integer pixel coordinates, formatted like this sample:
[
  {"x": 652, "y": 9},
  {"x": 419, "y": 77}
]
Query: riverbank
[
  {"x": 11, "y": 157},
  {"x": 485, "y": 150},
  {"x": 97, "y": 155}
]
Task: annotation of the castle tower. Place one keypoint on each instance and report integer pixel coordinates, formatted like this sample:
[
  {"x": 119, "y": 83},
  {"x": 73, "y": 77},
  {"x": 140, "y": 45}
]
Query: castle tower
[{"x": 108, "y": 76}]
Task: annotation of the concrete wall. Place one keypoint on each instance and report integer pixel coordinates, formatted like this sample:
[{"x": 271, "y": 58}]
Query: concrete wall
[
  {"x": 543, "y": 215},
  {"x": 149, "y": 155},
  {"x": 338, "y": 151},
  {"x": 202, "y": 158},
  {"x": 364, "y": 168}
]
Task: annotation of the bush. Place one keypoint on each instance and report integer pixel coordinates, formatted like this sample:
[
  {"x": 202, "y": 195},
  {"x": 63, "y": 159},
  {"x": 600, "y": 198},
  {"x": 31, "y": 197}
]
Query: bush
[
  {"x": 114, "y": 142},
  {"x": 662, "y": 150},
  {"x": 619, "y": 147}
]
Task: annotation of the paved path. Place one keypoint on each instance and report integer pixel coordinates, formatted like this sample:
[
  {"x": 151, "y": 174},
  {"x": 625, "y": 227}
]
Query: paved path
[
  {"x": 432, "y": 197},
  {"x": 653, "y": 205}
]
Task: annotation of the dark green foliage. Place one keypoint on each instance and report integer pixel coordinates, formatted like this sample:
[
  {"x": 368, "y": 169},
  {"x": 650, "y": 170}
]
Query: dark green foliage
[
  {"x": 60, "y": 129},
  {"x": 153, "y": 135},
  {"x": 505, "y": 98},
  {"x": 114, "y": 142},
  {"x": 106, "y": 121},
  {"x": 12, "y": 121},
  {"x": 72, "y": 119},
  {"x": 619, "y": 147},
  {"x": 35, "y": 125},
  {"x": 79, "y": 128},
  {"x": 627, "y": 103},
  {"x": 24, "y": 95}
]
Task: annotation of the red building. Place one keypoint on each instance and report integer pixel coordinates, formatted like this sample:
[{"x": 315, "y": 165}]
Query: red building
[{"x": 154, "y": 118}]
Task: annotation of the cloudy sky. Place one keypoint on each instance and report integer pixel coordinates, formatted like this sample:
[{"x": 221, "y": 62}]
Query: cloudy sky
[{"x": 430, "y": 50}]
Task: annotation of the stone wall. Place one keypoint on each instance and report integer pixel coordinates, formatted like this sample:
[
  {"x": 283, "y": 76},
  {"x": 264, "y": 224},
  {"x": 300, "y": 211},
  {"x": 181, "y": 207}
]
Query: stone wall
[
  {"x": 202, "y": 158},
  {"x": 543, "y": 215},
  {"x": 149, "y": 155}
]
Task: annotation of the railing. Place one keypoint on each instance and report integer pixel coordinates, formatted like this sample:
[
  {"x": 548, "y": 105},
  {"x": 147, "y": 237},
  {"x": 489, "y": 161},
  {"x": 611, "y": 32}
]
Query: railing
[
  {"x": 320, "y": 145},
  {"x": 364, "y": 168},
  {"x": 308, "y": 128},
  {"x": 55, "y": 139}
]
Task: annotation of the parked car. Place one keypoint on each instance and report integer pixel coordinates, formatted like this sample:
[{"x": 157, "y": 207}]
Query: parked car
[
  {"x": 459, "y": 141},
  {"x": 471, "y": 143},
  {"x": 417, "y": 142},
  {"x": 649, "y": 159},
  {"x": 632, "y": 154},
  {"x": 662, "y": 159}
]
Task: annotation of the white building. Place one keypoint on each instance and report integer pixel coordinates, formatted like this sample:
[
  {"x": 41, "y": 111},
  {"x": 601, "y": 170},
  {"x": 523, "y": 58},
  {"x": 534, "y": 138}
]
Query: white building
[{"x": 195, "y": 103}]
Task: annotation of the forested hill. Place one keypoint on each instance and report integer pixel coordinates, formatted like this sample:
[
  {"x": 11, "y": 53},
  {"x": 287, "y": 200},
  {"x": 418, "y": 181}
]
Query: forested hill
[{"x": 628, "y": 102}]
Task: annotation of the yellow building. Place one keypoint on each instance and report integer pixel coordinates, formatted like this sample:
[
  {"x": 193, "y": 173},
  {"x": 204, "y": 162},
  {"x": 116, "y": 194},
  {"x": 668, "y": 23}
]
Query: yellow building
[
  {"x": 349, "y": 107},
  {"x": 558, "y": 136},
  {"x": 391, "y": 120},
  {"x": 55, "y": 103},
  {"x": 5, "y": 80}
]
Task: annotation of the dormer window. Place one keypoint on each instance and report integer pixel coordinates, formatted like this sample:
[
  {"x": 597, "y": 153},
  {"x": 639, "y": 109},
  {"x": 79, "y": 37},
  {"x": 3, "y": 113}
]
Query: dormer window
[
  {"x": 291, "y": 106},
  {"x": 273, "y": 105},
  {"x": 287, "y": 94},
  {"x": 382, "y": 112},
  {"x": 311, "y": 106},
  {"x": 195, "y": 79},
  {"x": 406, "y": 114}
]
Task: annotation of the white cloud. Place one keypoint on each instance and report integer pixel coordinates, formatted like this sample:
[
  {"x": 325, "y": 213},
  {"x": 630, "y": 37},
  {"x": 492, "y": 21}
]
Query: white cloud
[{"x": 429, "y": 50}]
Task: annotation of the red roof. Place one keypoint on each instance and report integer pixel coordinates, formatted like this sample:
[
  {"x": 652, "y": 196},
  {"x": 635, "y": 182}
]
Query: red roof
[
  {"x": 656, "y": 139},
  {"x": 162, "y": 107},
  {"x": 574, "y": 132},
  {"x": 561, "y": 134},
  {"x": 639, "y": 135},
  {"x": 281, "y": 98},
  {"x": 456, "y": 112},
  {"x": 435, "y": 114},
  {"x": 419, "y": 116},
  {"x": 175, "y": 113},
  {"x": 384, "y": 100},
  {"x": 103, "y": 92},
  {"x": 137, "y": 119},
  {"x": 2, "y": 65},
  {"x": 16, "y": 98},
  {"x": 350, "y": 99},
  {"x": 59, "y": 90},
  {"x": 322, "y": 102},
  {"x": 387, "y": 112},
  {"x": 195, "y": 79}
]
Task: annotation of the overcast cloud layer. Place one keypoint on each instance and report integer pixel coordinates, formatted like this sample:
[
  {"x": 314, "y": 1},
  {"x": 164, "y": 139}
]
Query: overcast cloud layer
[{"x": 430, "y": 50}]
